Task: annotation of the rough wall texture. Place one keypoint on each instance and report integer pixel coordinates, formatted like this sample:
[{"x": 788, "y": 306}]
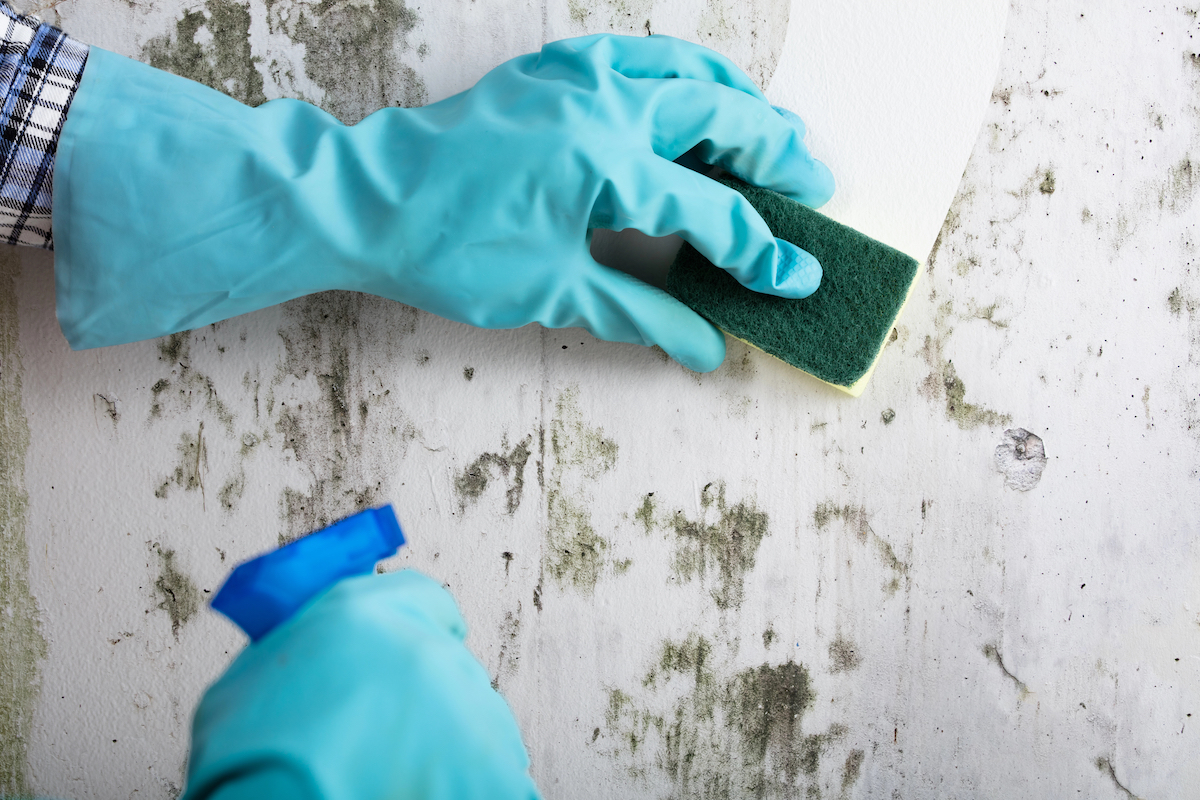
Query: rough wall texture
[{"x": 980, "y": 579}]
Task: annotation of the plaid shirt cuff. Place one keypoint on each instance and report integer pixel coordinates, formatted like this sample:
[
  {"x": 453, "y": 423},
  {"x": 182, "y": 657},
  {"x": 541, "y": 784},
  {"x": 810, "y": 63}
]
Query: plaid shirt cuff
[{"x": 40, "y": 70}]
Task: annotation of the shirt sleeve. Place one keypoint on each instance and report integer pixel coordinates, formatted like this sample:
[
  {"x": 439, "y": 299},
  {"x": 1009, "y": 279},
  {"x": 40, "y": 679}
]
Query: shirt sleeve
[{"x": 40, "y": 70}]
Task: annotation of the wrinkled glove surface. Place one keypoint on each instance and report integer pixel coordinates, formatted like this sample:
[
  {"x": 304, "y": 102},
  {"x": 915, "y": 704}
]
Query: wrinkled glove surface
[
  {"x": 366, "y": 693},
  {"x": 176, "y": 206}
]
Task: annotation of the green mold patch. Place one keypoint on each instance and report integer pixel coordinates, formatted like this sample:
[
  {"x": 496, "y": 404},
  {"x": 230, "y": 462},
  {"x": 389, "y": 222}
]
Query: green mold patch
[
  {"x": 720, "y": 737},
  {"x": 352, "y": 51},
  {"x": 190, "y": 466},
  {"x": 722, "y": 541},
  {"x": 225, "y": 61},
  {"x": 178, "y": 596},
  {"x": 574, "y": 554},
  {"x": 473, "y": 481},
  {"x": 22, "y": 645}
]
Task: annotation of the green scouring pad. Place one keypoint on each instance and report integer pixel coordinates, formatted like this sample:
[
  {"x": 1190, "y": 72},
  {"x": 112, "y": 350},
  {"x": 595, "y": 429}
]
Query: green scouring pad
[{"x": 837, "y": 334}]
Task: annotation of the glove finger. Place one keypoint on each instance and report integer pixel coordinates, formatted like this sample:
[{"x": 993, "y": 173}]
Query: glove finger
[
  {"x": 662, "y": 198},
  {"x": 620, "y": 308},
  {"x": 740, "y": 133},
  {"x": 659, "y": 57}
]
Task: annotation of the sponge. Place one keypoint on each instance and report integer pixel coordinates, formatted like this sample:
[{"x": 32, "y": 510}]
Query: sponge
[{"x": 837, "y": 334}]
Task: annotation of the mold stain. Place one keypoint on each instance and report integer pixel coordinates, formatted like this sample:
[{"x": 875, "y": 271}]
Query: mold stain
[
  {"x": 107, "y": 406},
  {"x": 22, "y": 645},
  {"x": 225, "y": 62},
  {"x": 843, "y": 656},
  {"x": 178, "y": 596},
  {"x": 352, "y": 52},
  {"x": 1106, "y": 768},
  {"x": 179, "y": 394},
  {"x": 992, "y": 653},
  {"x": 190, "y": 466},
  {"x": 851, "y": 769},
  {"x": 723, "y": 539},
  {"x": 323, "y": 341},
  {"x": 509, "y": 658},
  {"x": 232, "y": 491},
  {"x": 1047, "y": 184},
  {"x": 575, "y": 553},
  {"x": 645, "y": 513},
  {"x": 714, "y": 737},
  {"x": 473, "y": 481},
  {"x": 1180, "y": 187},
  {"x": 856, "y": 520},
  {"x": 943, "y": 384}
]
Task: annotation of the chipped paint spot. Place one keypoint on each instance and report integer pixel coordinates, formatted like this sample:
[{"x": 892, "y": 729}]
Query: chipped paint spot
[
  {"x": 1021, "y": 458},
  {"x": 723, "y": 539},
  {"x": 473, "y": 480},
  {"x": 225, "y": 62},
  {"x": 22, "y": 645},
  {"x": 179, "y": 597}
]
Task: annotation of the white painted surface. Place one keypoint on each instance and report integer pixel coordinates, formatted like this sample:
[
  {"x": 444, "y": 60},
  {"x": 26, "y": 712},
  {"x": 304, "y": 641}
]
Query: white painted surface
[{"x": 1041, "y": 643}]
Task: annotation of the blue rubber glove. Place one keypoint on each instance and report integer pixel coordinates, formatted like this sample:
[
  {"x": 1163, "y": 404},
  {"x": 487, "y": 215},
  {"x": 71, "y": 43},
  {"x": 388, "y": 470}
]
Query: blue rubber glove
[
  {"x": 176, "y": 206},
  {"x": 368, "y": 692}
]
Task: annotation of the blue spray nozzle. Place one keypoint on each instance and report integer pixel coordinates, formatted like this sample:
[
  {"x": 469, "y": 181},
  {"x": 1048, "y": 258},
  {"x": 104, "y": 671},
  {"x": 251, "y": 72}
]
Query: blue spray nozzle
[{"x": 262, "y": 593}]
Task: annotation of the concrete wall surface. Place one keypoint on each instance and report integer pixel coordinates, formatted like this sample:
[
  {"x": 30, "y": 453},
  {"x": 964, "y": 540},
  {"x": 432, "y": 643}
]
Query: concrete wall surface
[{"x": 1001, "y": 599}]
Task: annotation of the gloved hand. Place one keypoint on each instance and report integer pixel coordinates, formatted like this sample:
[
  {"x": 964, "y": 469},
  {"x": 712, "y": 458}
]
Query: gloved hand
[
  {"x": 366, "y": 693},
  {"x": 176, "y": 206}
]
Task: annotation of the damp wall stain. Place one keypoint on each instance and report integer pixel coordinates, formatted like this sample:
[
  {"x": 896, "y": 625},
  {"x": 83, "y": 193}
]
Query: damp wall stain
[
  {"x": 710, "y": 736},
  {"x": 943, "y": 383},
  {"x": 191, "y": 464},
  {"x": 723, "y": 540},
  {"x": 22, "y": 645},
  {"x": 843, "y": 656},
  {"x": 575, "y": 554},
  {"x": 225, "y": 62},
  {"x": 177, "y": 595}
]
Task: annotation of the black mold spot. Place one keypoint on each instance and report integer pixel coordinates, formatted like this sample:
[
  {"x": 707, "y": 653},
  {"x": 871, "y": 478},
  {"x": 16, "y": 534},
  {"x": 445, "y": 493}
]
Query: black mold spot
[
  {"x": 726, "y": 544},
  {"x": 107, "y": 406},
  {"x": 645, "y": 513},
  {"x": 468, "y": 372},
  {"x": 473, "y": 481},
  {"x": 1021, "y": 458},
  {"x": 232, "y": 491},
  {"x": 887, "y": 416},
  {"x": 967, "y": 415},
  {"x": 179, "y": 596},
  {"x": 851, "y": 769},
  {"x": 1106, "y": 767},
  {"x": 226, "y": 64},
  {"x": 191, "y": 465}
]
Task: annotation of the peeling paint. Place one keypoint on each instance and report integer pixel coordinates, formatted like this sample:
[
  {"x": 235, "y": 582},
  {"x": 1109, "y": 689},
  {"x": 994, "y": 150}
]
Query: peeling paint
[
  {"x": 225, "y": 62},
  {"x": 22, "y": 645},
  {"x": 178, "y": 596}
]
